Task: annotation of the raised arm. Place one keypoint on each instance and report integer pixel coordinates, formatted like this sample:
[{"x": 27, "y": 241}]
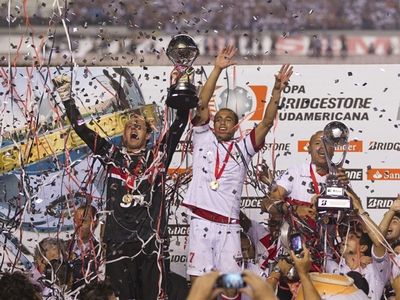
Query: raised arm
[
  {"x": 175, "y": 133},
  {"x": 372, "y": 229},
  {"x": 387, "y": 218},
  {"x": 223, "y": 60},
  {"x": 303, "y": 265},
  {"x": 281, "y": 80},
  {"x": 95, "y": 142}
]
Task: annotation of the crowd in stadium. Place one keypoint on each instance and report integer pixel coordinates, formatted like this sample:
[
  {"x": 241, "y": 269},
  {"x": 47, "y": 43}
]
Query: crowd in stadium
[{"x": 207, "y": 15}]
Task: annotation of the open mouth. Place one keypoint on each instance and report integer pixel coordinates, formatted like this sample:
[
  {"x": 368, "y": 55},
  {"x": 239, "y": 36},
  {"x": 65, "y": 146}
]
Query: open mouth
[
  {"x": 134, "y": 136},
  {"x": 222, "y": 129}
]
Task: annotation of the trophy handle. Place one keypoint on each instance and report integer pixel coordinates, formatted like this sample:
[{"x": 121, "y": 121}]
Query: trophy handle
[{"x": 331, "y": 165}]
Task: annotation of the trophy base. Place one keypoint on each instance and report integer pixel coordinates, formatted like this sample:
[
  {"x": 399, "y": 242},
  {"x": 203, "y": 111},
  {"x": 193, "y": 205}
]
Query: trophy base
[
  {"x": 182, "y": 99},
  {"x": 326, "y": 202}
]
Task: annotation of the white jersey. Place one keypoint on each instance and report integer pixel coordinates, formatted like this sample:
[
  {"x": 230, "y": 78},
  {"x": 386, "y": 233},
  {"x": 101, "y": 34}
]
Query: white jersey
[
  {"x": 261, "y": 239},
  {"x": 225, "y": 200},
  {"x": 376, "y": 273},
  {"x": 298, "y": 183}
]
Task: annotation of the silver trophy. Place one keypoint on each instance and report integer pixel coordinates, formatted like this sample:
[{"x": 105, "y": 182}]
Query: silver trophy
[
  {"x": 336, "y": 134},
  {"x": 182, "y": 52}
]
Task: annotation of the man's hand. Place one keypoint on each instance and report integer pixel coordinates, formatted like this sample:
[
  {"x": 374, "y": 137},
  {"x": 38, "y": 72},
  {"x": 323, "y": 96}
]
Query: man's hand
[
  {"x": 395, "y": 207},
  {"x": 302, "y": 263},
  {"x": 224, "y": 58},
  {"x": 284, "y": 266},
  {"x": 265, "y": 174},
  {"x": 282, "y": 78},
  {"x": 63, "y": 85},
  {"x": 365, "y": 261},
  {"x": 305, "y": 211},
  {"x": 204, "y": 287},
  {"x": 270, "y": 205},
  {"x": 173, "y": 77},
  {"x": 396, "y": 286},
  {"x": 354, "y": 199},
  {"x": 342, "y": 177},
  {"x": 257, "y": 288}
]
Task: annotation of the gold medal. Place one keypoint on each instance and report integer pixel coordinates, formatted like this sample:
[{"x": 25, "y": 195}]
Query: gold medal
[
  {"x": 127, "y": 199},
  {"x": 214, "y": 185}
]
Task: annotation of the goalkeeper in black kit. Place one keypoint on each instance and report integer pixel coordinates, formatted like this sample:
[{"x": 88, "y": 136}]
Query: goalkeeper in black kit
[{"x": 136, "y": 225}]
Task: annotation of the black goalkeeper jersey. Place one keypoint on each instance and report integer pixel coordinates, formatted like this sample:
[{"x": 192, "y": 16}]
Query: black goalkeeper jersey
[{"x": 135, "y": 203}]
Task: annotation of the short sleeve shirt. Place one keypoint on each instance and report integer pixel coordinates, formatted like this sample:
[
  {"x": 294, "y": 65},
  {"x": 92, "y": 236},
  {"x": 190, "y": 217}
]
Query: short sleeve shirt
[
  {"x": 226, "y": 199},
  {"x": 298, "y": 183}
]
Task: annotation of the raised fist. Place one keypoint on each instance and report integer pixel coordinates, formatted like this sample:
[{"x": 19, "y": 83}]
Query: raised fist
[{"x": 63, "y": 85}]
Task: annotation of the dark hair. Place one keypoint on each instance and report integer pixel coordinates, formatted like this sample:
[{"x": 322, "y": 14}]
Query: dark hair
[
  {"x": 149, "y": 129},
  {"x": 235, "y": 116},
  {"x": 96, "y": 290},
  {"x": 395, "y": 244},
  {"x": 16, "y": 286},
  {"x": 47, "y": 244},
  {"x": 359, "y": 281},
  {"x": 366, "y": 241}
]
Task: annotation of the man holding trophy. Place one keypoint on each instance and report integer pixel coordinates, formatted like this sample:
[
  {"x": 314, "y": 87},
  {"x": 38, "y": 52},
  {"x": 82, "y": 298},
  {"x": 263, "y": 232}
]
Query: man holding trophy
[{"x": 300, "y": 184}]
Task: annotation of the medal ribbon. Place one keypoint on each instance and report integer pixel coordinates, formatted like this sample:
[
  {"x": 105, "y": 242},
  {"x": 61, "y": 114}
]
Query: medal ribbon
[
  {"x": 314, "y": 180},
  {"x": 218, "y": 171}
]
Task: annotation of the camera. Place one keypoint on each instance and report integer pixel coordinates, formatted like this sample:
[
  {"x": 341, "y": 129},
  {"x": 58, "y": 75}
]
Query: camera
[
  {"x": 296, "y": 243},
  {"x": 230, "y": 281}
]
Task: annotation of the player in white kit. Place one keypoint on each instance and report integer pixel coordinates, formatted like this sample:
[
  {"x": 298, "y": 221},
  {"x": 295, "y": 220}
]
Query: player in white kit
[{"x": 219, "y": 169}]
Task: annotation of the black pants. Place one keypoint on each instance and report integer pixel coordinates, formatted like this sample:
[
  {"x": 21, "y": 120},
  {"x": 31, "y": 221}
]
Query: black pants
[{"x": 136, "y": 278}]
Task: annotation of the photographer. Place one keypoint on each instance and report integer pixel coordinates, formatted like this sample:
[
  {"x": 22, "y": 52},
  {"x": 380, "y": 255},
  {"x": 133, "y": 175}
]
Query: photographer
[{"x": 302, "y": 263}]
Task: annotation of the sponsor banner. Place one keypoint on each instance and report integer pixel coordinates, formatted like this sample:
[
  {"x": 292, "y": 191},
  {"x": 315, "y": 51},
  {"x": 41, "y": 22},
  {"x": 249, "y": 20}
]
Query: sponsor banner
[
  {"x": 354, "y": 146},
  {"x": 387, "y": 146},
  {"x": 383, "y": 174},
  {"x": 379, "y": 202},
  {"x": 178, "y": 230},
  {"x": 251, "y": 202},
  {"x": 355, "y": 174}
]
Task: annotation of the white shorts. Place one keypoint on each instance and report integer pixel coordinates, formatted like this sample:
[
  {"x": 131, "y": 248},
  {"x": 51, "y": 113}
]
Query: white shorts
[{"x": 213, "y": 246}]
